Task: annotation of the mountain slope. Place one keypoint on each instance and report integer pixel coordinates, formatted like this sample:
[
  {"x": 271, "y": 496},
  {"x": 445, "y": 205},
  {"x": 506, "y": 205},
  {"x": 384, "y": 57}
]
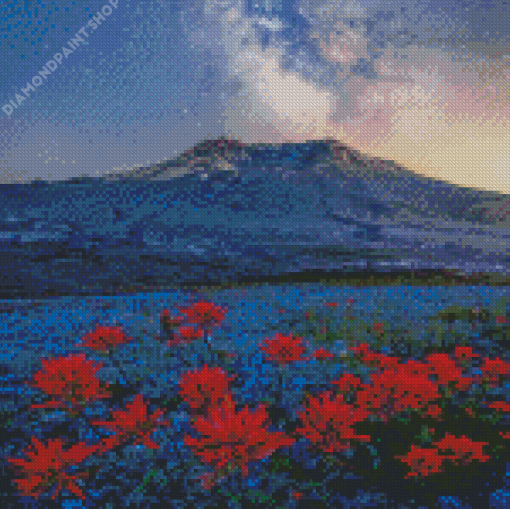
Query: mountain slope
[
  {"x": 241, "y": 212},
  {"x": 399, "y": 188}
]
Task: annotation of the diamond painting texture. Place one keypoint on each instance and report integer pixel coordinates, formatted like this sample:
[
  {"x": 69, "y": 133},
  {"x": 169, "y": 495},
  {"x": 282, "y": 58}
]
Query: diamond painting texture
[{"x": 254, "y": 254}]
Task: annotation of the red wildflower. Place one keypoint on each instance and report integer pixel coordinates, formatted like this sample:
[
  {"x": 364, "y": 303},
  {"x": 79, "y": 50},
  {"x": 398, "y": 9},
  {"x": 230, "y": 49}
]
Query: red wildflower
[
  {"x": 210, "y": 479},
  {"x": 71, "y": 379},
  {"x": 206, "y": 314},
  {"x": 170, "y": 322},
  {"x": 494, "y": 369},
  {"x": 405, "y": 387},
  {"x": 464, "y": 352},
  {"x": 374, "y": 400},
  {"x": 284, "y": 349},
  {"x": 331, "y": 304},
  {"x": 422, "y": 461},
  {"x": 347, "y": 382},
  {"x": 134, "y": 421},
  {"x": 328, "y": 422},
  {"x": 205, "y": 387},
  {"x": 448, "y": 373},
  {"x": 322, "y": 354},
  {"x": 379, "y": 327},
  {"x": 433, "y": 411},
  {"x": 296, "y": 495},
  {"x": 502, "y": 406},
  {"x": 231, "y": 439},
  {"x": 186, "y": 335},
  {"x": 373, "y": 359},
  {"x": 501, "y": 319},
  {"x": 104, "y": 338},
  {"x": 46, "y": 464},
  {"x": 463, "y": 448}
]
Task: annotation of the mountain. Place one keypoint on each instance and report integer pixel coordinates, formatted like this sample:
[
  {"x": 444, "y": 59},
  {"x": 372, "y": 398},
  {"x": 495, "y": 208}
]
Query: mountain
[
  {"x": 413, "y": 193},
  {"x": 225, "y": 211}
]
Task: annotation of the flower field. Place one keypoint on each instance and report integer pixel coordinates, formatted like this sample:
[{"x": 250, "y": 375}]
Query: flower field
[{"x": 328, "y": 409}]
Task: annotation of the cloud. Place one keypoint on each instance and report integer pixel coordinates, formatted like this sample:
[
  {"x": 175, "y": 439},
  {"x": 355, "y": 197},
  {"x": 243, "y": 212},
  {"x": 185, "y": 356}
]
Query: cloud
[
  {"x": 424, "y": 83},
  {"x": 377, "y": 79}
]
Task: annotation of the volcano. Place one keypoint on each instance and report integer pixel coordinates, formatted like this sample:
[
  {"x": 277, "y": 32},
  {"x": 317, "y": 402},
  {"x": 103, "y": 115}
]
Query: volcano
[{"x": 225, "y": 211}]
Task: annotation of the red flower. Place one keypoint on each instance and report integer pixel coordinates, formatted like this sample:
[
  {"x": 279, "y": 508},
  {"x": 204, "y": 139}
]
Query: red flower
[
  {"x": 469, "y": 411},
  {"x": 322, "y": 354},
  {"x": 464, "y": 352},
  {"x": 494, "y": 369},
  {"x": 104, "y": 338},
  {"x": 133, "y": 421},
  {"x": 501, "y": 319},
  {"x": 170, "y": 322},
  {"x": 46, "y": 464},
  {"x": 397, "y": 386},
  {"x": 374, "y": 359},
  {"x": 186, "y": 335},
  {"x": 71, "y": 379},
  {"x": 463, "y": 448},
  {"x": 502, "y": 406},
  {"x": 284, "y": 349},
  {"x": 448, "y": 373},
  {"x": 233, "y": 438},
  {"x": 328, "y": 422},
  {"x": 205, "y": 387},
  {"x": 422, "y": 461},
  {"x": 347, "y": 382},
  {"x": 407, "y": 386},
  {"x": 452, "y": 449},
  {"x": 392, "y": 391},
  {"x": 379, "y": 327},
  {"x": 205, "y": 314},
  {"x": 331, "y": 304},
  {"x": 210, "y": 479},
  {"x": 433, "y": 411},
  {"x": 296, "y": 495}
]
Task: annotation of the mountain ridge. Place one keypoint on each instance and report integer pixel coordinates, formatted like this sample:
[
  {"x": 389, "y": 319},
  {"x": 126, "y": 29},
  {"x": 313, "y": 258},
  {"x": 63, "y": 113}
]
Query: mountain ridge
[
  {"x": 211, "y": 154},
  {"x": 328, "y": 157}
]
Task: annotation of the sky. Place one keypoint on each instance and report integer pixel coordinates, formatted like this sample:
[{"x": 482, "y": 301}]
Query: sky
[{"x": 424, "y": 83}]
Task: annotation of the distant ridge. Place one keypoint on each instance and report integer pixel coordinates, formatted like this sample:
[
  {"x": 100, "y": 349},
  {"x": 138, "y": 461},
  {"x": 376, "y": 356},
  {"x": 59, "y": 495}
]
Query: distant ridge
[
  {"x": 225, "y": 154},
  {"x": 329, "y": 157},
  {"x": 220, "y": 153}
]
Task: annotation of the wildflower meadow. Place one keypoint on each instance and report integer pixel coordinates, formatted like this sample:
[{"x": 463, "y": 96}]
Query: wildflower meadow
[{"x": 387, "y": 427}]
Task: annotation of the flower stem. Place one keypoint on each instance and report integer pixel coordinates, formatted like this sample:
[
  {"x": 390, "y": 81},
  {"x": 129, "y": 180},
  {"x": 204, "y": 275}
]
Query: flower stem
[{"x": 146, "y": 480}]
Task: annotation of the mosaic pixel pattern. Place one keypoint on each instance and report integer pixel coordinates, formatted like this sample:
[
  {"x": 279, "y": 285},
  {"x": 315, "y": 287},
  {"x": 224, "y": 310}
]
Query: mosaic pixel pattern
[{"x": 254, "y": 254}]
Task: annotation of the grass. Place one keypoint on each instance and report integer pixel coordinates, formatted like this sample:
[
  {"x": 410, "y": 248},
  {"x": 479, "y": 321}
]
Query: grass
[{"x": 326, "y": 278}]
